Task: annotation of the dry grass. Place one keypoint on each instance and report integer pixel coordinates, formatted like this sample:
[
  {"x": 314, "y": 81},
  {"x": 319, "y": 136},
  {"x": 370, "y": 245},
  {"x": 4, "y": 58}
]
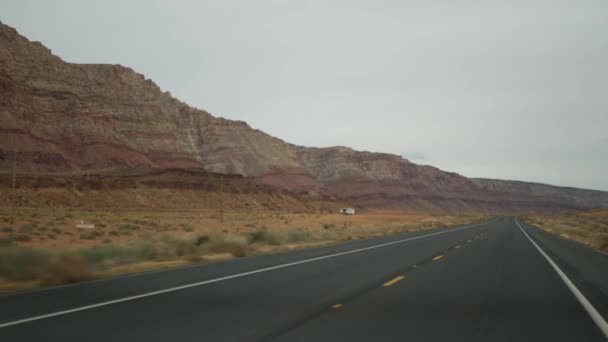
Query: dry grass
[
  {"x": 590, "y": 227},
  {"x": 56, "y": 252},
  {"x": 65, "y": 269}
]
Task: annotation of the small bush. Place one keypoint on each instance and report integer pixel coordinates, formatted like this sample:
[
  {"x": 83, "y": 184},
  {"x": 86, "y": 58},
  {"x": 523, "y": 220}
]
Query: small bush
[
  {"x": 56, "y": 230},
  {"x": 7, "y": 241},
  {"x": 299, "y": 235},
  {"x": 88, "y": 236},
  {"x": 263, "y": 236},
  {"x": 194, "y": 258},
  {"x": 21, "y": 263},
  {"x": 129, "y": 226},
  {"x": 26, "y": 228},
  {"x": 236, "y": 249},
  {"x": 109, "y": 253},
  {"x": 23, "y": 237},
  {"x": 202, "y": 239},
  {"x": 7, "y": 229},
  {"x": 603, "y": 242},
  {"x": 64, "y": 270}
]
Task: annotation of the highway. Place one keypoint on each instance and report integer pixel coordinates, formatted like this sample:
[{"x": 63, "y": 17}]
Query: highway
[{"x": 500, "y": 280}]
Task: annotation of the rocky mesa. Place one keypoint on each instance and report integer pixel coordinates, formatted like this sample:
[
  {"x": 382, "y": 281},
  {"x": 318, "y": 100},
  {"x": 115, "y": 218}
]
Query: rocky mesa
[{"x": 62, "y": 116}]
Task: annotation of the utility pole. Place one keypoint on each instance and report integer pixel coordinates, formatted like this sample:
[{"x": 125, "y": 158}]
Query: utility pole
[
  {"x": 221, "y": 198},
  {"x": 12, "y": 218}
]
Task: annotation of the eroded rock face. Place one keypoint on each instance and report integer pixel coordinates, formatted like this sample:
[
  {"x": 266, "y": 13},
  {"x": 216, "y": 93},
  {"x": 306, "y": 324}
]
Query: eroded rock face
[
  {"x": 97, "y": 116},
  {"x": 64, "y": 116}
]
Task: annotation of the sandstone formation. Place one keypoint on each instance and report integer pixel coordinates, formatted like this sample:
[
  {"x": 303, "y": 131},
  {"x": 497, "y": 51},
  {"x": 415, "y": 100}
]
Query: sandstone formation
[{"x": 62, "y": 116}]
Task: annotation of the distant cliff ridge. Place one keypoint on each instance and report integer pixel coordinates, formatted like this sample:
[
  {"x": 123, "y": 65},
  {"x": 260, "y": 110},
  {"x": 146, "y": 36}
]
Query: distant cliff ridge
[{"x": 64, "y": 116}]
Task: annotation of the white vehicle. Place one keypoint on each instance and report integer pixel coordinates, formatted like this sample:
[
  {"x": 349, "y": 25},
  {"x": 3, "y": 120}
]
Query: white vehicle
[{"x": 347, "y": 211}]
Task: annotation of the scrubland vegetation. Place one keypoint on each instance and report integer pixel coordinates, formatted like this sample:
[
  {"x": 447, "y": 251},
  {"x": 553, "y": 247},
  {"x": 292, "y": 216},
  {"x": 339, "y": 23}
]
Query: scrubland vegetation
[
  {"x": 44, "y": 247},
  {"x": 590, "y": 227}
]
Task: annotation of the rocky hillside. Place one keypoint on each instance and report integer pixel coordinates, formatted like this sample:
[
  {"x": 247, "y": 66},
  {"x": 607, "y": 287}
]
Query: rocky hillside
[
  {"x": 546, "y": 193},
  {"x": 63, "y": 116}
]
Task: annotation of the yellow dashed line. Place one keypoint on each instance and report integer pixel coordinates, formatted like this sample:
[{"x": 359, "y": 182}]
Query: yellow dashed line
[
  {"x": 457, "y": 247},
  {"x": 393, "y": 281},
  {"x": 437, "y": 257},
  {"x": 336, "y": 306}
]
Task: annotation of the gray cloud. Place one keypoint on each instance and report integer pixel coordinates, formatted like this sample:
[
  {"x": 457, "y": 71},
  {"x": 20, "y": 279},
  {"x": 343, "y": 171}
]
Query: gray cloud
[{"x": 495, "y": 89}]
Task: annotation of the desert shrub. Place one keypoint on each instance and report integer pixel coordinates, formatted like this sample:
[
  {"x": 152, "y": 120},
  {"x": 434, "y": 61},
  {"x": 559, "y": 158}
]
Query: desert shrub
[
  {"x": 109, "y": 253},
  {"x": 263, "y": 236},
  {"x": 329, "y": 226},
  {"x": 26, "y": 228},
  {"x": 7, "y": 229},
  {"x": 603, "y": 242},
  {"x": 52, "y": 236},
  {"x": 69, "y": 268},
  {"x": 56, "y": 230},
  {"x": 299, "y": 235},
  {"x": 23, "y": 237},
  {"x": 21, "y": 263},
  {"x": 88, "y": 236},
  {"x": 181, "y": 247},
  {"x": 235, "y": 249},
  {"x": 6, "y": 241},
  {"x": 113, "y": 233},
  {"x": 194, "y": 258},
  {"x": 129, "y": 226},
  {"x": 201, "y": 239}
]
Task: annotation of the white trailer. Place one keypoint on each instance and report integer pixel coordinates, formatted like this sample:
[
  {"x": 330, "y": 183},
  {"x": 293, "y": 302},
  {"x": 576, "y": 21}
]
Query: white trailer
[{"x": 347, "y": 211}]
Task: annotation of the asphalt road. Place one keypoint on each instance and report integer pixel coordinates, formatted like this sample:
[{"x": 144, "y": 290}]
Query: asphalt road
[{"x": 485, "y": 282}]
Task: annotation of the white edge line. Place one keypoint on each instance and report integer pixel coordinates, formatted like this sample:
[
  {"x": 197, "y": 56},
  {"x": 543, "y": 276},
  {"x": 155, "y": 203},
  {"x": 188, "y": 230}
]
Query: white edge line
[
  {"x": 595, "y": 315},
  {"x": 215, "y": 280}
]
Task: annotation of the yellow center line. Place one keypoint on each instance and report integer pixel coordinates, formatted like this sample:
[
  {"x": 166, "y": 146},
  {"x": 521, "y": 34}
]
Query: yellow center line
[
  {"x": 393, "y": 281},
  {"x": 437, "y": 257},
  {"x": 336, "y": 306}
]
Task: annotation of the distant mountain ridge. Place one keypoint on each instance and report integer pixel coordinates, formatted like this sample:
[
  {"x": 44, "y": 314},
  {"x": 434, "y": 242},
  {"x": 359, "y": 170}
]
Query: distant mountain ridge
[{"x": 64, "y": 116}]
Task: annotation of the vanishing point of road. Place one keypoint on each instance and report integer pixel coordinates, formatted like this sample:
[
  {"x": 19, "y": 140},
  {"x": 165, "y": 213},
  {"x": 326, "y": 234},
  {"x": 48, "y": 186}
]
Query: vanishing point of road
[{"x": 500, "y": 280}]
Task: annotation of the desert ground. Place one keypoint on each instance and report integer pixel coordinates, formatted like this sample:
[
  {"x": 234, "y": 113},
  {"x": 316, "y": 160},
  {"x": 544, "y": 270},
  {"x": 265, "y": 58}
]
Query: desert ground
[
  {"x": 589, "y": 227},
  {"x": 45, "y": 246}
]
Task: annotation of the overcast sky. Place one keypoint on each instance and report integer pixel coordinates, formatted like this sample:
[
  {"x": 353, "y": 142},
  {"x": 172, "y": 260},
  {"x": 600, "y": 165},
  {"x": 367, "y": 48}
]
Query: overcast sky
[{"x": 498, "y": 89}]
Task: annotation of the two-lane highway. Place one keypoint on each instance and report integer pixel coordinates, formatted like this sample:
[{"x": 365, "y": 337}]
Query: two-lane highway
[{"x": 484, "y": 282}]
